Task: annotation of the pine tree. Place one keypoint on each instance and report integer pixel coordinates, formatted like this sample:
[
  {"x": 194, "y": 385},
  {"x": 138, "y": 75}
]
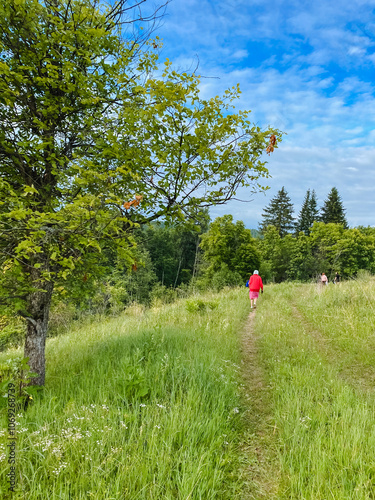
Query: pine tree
[
  {"x": 333, "y": 210},
  {"x": 279, "y": 213},
  {"x": 309, "y": 213},
  {"x": 314, "y": 212}
]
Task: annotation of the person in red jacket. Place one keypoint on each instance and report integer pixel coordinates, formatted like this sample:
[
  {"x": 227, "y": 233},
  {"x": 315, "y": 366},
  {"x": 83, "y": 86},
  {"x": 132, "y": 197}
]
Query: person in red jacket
[{"x": 255, "y": 285}]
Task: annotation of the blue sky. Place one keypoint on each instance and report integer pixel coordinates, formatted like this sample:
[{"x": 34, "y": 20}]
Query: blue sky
[{"x": 306, "y": 68}]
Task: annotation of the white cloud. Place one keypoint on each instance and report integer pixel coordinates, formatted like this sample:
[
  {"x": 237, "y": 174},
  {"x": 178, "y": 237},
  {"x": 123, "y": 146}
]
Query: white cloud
[
  {"x": 240, "y": 54},
  {"x": 307, "y": 77}
]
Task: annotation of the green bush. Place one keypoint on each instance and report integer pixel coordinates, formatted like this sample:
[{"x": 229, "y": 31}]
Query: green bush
[
  {"x": 198, "y": 305},
  {"x": 160, "y": 294},
  {"x": 225, "y": 277}
]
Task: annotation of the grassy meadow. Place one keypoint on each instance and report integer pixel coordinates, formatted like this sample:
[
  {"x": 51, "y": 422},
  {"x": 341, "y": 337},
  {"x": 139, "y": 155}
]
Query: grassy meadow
[
  {"x": 143, "y": 406},
  {"x": 194, "y": 401},
  {"x": 317, "y": 348}
]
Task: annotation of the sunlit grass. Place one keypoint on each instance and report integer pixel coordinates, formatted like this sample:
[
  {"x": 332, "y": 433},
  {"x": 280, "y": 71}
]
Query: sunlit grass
[
  {"x": 144, "y": 406},
  {"x": 325, "y": 424},
  {"x": 148, "y": 405}
]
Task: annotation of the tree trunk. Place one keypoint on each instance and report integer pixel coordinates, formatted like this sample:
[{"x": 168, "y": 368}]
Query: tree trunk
[
  {"x": 39, "y": 304},
  {"x": 178, "y": 272},
  {"x": 195, "y": 267}
]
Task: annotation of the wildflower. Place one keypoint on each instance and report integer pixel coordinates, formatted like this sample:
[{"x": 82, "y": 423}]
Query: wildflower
[
  {"x": 72, "y": 433},
  {"x": 160, "y": 406},
  {"x": 57, "y": 470},
  {"x": 236, "y": 410}
]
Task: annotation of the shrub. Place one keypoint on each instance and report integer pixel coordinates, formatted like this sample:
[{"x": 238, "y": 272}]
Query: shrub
[
  {"x": 160, "y": 294},
  {"x": 225, "y": 277},
  {"x": 199, "y": 305}
]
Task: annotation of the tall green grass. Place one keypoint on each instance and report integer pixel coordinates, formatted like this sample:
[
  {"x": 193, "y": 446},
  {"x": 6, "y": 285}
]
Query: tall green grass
[
  {"x": 144, "y": 406},
  {"x": 151, "y": 405},
  {"x": 324, "y": 422},
  {"x": 345, "y": 317}
]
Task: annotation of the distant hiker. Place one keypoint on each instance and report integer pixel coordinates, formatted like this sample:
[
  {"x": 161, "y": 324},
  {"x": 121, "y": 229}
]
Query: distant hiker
[
  {"x": 255, "y": 285},
  {"x": 337, "y": 278},
  {"x": 324, "y": 279}
]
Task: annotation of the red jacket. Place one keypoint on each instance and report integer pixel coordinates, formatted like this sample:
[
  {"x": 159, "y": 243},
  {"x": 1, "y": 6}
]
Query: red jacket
[{"x": 255, "y": 283}]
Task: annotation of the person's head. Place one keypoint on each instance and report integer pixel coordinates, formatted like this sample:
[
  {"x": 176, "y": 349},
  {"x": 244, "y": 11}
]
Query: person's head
[
  {"x": 323, "y": 274},
  {"x": 256, "y": 272}
]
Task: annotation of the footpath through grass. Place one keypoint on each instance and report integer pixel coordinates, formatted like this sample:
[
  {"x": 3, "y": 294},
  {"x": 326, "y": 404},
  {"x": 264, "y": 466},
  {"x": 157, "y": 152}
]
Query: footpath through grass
[
  {"x": 151, "y": 405},
  {"x": 317, "y": 349},
  {"x": 144, "y": 406}
]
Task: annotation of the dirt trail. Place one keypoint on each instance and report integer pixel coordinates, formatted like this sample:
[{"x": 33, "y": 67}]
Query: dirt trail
[{"x": 259, "y": 456}]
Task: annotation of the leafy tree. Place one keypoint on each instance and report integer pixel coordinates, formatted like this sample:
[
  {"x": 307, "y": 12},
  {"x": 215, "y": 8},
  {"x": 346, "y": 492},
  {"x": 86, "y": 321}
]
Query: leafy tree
[
  {"x": 277, "y": 254},
  {"x": 229, "y": 247},
  {"x": 355, "y": 250},
  {"x": 279, "y": 213},
  {"x": 173, "y": 250},
  {"x": 324, "y": 238},
  {"x": 328, "y": 248},
  {"x": 118, "y": 288},
  {"x": 333, "y": 210},
  {"x": 308, "y": 214},
  {"x": 92, "y": 145},
  {"x": 302, "y": 263}
]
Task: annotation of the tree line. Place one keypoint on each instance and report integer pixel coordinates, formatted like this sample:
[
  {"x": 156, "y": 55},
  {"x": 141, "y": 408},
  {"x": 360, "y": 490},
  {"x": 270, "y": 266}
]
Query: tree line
[
  {"x": 295, "y": 248},
  {"x": 175, "y": 259}
]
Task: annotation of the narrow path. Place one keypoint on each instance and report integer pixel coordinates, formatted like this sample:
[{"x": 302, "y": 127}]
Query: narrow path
[{"x": 259, "y": 455}]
